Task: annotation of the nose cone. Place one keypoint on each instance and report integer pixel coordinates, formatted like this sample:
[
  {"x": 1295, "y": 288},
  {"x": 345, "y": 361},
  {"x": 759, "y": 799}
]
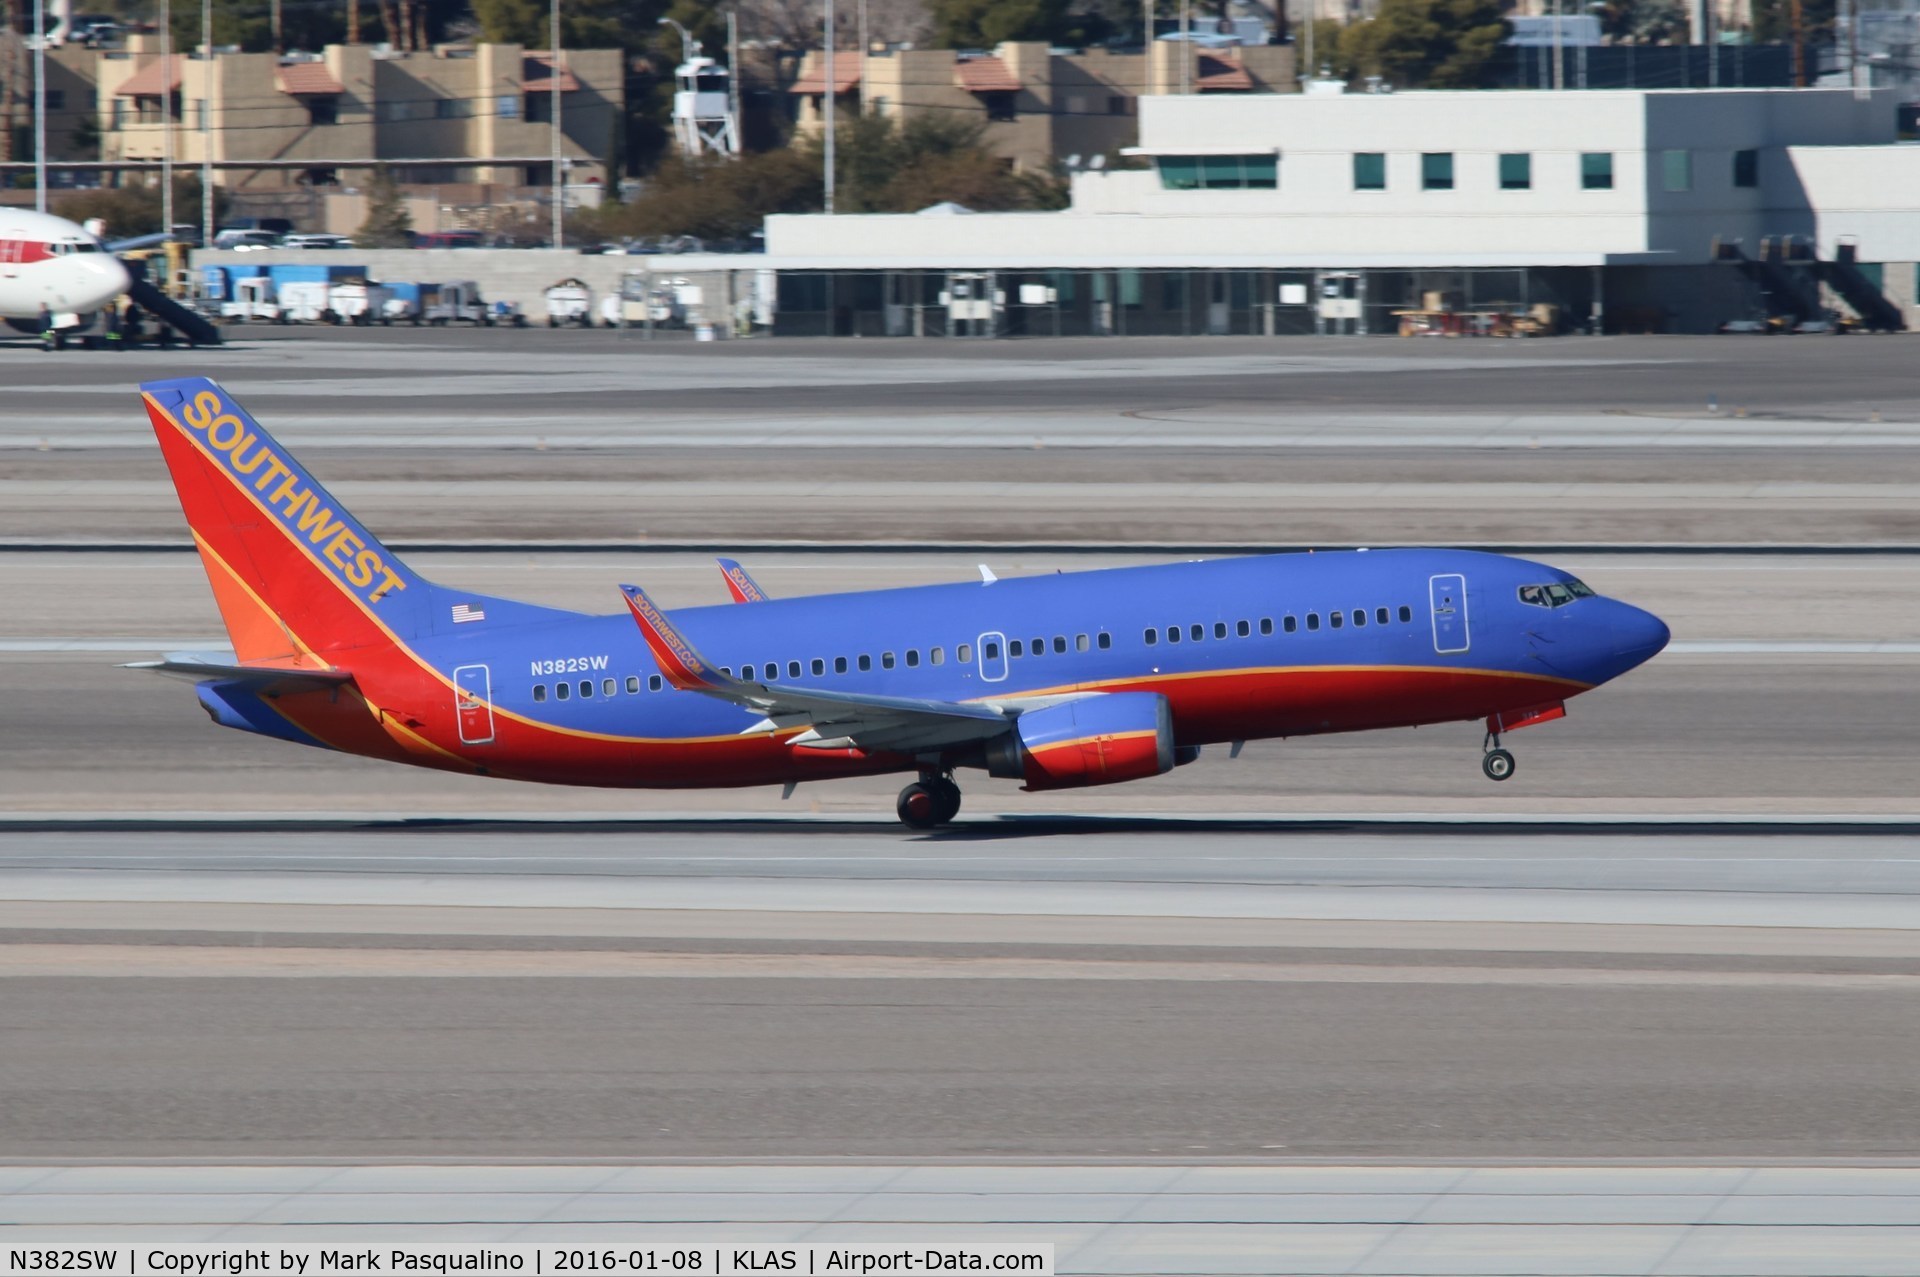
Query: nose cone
[
  {"x": 97, "y": 279},
  {"x": 1638, "y": 636}
]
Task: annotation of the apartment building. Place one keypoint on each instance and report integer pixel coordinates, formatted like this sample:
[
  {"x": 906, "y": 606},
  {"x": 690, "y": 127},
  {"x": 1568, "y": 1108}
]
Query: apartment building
[
  {"x": 472, "y": 114},
  {"x": 1038, "y": 105}
]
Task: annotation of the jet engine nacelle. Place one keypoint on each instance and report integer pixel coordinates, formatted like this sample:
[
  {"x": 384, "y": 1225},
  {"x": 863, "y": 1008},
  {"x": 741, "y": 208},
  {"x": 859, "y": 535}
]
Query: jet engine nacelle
[{"x": 1100, "y": 740}]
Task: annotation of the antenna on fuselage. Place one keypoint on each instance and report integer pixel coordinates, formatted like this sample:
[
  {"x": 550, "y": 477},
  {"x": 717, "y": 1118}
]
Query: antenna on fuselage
[{"x": 986, "y": 574}]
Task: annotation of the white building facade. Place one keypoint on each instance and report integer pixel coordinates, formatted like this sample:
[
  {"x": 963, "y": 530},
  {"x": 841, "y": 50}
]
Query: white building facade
[{"x": 1629, "y": 210}]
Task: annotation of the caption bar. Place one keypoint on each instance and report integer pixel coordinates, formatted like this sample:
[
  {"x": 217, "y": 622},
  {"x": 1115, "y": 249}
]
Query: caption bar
[{"x": 706, "y": 1260}]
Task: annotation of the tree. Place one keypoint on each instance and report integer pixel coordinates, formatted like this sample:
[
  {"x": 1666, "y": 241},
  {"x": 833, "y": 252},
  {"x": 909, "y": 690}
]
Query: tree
[
  {"x": 1430, "y": 44},
  {"x": 981, "y": 24},
  {"x": 136, "y": 210},
  {"x": 388, "y": 224},
  {"x": 1645, "y": 21}
]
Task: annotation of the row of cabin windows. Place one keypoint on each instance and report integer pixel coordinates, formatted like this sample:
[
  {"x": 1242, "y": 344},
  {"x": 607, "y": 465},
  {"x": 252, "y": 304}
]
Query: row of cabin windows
[
  {"x": 1288, "y": 624},
  {"x": 863, "y": 662}
]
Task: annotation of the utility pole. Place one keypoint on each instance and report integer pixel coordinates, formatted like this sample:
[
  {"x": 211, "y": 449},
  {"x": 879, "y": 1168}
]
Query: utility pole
[
  {"x": 826, "y": 100},
  {"x": 558, "y": 176},
  {"x": 39, "y": 105},
  {"x": 353, "y": 21},
  {"x": 1559, "y": 61},
  {"x": 1799, "y": 36},
  {"x": 1186, "y": 46},
  {"x": 166, "y": 117},
  {"x": 277, "y": 28},
  {"x": 733, "y": 73},
  {"x": 862, "y": 64},
  {"x": 206, "y": 124}
]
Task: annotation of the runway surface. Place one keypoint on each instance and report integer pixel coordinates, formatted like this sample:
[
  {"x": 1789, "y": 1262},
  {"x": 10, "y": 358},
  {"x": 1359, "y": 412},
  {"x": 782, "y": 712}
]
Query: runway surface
[
  {"x": 1678, "y": 1221},
  {"x": 584, "y": 436}
]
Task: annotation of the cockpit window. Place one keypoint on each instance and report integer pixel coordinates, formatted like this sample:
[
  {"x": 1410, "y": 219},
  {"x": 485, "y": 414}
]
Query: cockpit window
[{"x": 1556, "y": 593}]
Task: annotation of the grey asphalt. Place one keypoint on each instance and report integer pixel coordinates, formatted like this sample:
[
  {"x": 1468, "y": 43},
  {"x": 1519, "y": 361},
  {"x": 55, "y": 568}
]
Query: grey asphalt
[
  {"x": 1555, "y": 1221},
  {"x": 585, "y": 436}
]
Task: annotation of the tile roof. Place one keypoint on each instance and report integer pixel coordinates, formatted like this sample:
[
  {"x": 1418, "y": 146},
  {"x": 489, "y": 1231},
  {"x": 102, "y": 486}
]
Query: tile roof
[
  {"x": 1221, "y": 73},
  {"x": 311, "y": 79},
  {"x": 846, "y": 76},
  {"x": 536, "y": 75},
  {"x": 984, "y": 75},
  {"x": 150, "y": 81}
]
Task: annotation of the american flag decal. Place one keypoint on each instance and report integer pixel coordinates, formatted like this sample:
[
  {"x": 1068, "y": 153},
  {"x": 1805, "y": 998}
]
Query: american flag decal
[{"x": 464, "y": 612}]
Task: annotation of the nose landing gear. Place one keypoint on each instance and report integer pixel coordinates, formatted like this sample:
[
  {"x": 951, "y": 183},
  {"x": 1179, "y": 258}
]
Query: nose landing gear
[
  {"x": 929, "y": 802},
  {"x": 1496, "y": 762}
]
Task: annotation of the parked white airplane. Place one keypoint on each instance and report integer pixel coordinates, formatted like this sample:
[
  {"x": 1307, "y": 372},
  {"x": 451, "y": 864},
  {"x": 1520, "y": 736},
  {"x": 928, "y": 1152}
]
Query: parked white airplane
[{"x": 46, "y": 260}]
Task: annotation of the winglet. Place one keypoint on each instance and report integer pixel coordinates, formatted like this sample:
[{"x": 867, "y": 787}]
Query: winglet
[
  {"x": 743, "y": 587},
  {"x": 679, "y": 663}
]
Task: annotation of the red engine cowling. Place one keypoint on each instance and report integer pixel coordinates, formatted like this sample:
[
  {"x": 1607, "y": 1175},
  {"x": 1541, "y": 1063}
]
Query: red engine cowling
[{"x": 1101, "y": 740}]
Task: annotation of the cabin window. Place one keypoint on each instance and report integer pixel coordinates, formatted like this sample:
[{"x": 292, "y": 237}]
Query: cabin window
[
  {"x": 1151, "y": 636},
  {"x": 1080, "y": 643},
  {"x": 839, "y": 665},
  {"x": 1039, "y": 648},
  {"x": 1406, "y": 613},
  {"x": 793, "y": 669},
  {"x": 633, "y": 684},
  {"x": 586, "y": 689},
  {"x": 990, "y": 651},
  {"x": 562, "y": 691},
  {"x": 1198, "y": 632},
  {"x": 1313, "y": 621},
  {"x": 818, "y": 667},
  {"x": 1105, "y": 640},
  {"x": 608, "y": 687},
  {"x": 1335, "y": 619},
  {"x": 1243, "y": 629},
  {"x": 1016, "y": 648},
  {"x": 1173, "y": 634},
  {"x": 886, "y": 660},
  {"x": 1220, "y": 629},
  {"x": 539, "y": 692},
  {"x": 936, "y": 656},
  {"x": 653, "y": 683},
  {"x": 963, "y": 653},
  {"x": 913, "y": 657},
  {"x": 1060, "y": 643},
  {"x": 1266, "y": 625},
  {"x": 1359, "y": 616},
  {"x": 726, "y": 671},
  {"x": 770, "y": 671},
  {"x": 1382, "y": 616},
  {"x": 1292, "y": 624},
  {"x": 866, "y": 662}
]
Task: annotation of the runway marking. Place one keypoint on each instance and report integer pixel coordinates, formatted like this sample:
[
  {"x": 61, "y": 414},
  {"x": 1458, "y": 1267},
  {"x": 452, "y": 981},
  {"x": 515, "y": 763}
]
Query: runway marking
[{"x": 110, "y": 961}]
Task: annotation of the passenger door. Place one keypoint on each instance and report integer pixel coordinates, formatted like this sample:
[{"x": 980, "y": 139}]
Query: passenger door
[
  {"x": 1448, "y": 595},
  {"x": 473, "y": 702}
]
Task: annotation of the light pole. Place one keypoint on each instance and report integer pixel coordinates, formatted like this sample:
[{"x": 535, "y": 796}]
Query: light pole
[
  {"x": 166, "y": 117},
  {"x": 557, "y": 175},
  {"x": 827, "y": 104},
  {"x": 39, "y": 106},
  {"x": 687, "y": 45},
  {"x": 206, "y": 125}
]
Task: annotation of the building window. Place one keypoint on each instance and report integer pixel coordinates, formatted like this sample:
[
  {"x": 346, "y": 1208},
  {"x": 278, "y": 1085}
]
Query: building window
[
  {"x": 507, "y": 106},
  {"x": 1117, "y": 104},
  {"x": 322, "y": 110},
  {"x": 539, "y": 108},
  {"x": 1596, "y": 170},
  {"x": 452, "y": 108},
  {"x": 119, "y": 113},
  {"x": 1746, "y": 168},
  {"x": 1516, "y": 172},
  {"x": 1436, "y": 171},
  {"x": 1369, "y": 171},
  {"x": 1219, "y": 172},
  {"x": 56, "y": 99},
  {"x": 999, "y": 105},
  {"x": 1676, "y": 170}
]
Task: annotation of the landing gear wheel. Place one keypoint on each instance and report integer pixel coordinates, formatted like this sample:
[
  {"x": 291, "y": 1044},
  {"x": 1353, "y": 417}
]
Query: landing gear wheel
[
  {"x": 919, "y": 806},
  {"x": 1497, "y": 764},
  {"x": 948, "y": 795}
]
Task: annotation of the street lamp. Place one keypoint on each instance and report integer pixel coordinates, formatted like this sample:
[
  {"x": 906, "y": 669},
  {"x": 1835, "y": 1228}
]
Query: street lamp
[
  {"x": 688, "y": 45},
  {"x": 557, "y": 174}
]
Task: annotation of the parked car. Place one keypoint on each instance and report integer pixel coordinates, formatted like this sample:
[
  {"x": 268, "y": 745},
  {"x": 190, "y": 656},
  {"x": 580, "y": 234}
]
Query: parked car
[
  {"x": 316, "y": 239},
  {"x": 242, "y": 240}
]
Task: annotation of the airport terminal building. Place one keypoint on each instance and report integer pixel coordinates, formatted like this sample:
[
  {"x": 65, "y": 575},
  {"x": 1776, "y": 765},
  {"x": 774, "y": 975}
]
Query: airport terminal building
[{"x": 1341, "y": 213}]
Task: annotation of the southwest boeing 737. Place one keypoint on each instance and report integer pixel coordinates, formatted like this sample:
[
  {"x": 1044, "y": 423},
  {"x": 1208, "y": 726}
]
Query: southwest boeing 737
[{"x": 1074, "y": 679}]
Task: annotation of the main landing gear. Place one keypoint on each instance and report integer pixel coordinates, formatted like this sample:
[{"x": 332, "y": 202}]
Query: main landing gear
[
  {"x": 929, "y": 802},
  {"x": 1496, "y": 762}
]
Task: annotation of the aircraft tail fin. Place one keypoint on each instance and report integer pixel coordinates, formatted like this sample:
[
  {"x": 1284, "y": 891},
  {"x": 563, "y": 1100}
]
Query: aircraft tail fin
[{"x": 295, "y": 575}]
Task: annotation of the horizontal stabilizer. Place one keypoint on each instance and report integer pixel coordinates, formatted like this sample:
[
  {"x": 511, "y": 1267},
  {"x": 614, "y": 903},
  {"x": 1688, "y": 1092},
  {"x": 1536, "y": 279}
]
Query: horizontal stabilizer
[{"x": 200, "y": 666}]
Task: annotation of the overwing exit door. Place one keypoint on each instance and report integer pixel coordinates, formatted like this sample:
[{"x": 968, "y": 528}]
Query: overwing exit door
[
  {"x": 473, "y": 702},
  {"x": 993, "y": 656},
  {"x": 1448, "y": 594}
]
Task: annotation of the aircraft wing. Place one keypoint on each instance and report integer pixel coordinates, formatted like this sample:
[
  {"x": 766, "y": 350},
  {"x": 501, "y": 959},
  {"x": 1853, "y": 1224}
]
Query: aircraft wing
[
  {"x": 830, "y": 720},
  {"x": 743, "y": 587},
  {"x": 200, "y": 666}
]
